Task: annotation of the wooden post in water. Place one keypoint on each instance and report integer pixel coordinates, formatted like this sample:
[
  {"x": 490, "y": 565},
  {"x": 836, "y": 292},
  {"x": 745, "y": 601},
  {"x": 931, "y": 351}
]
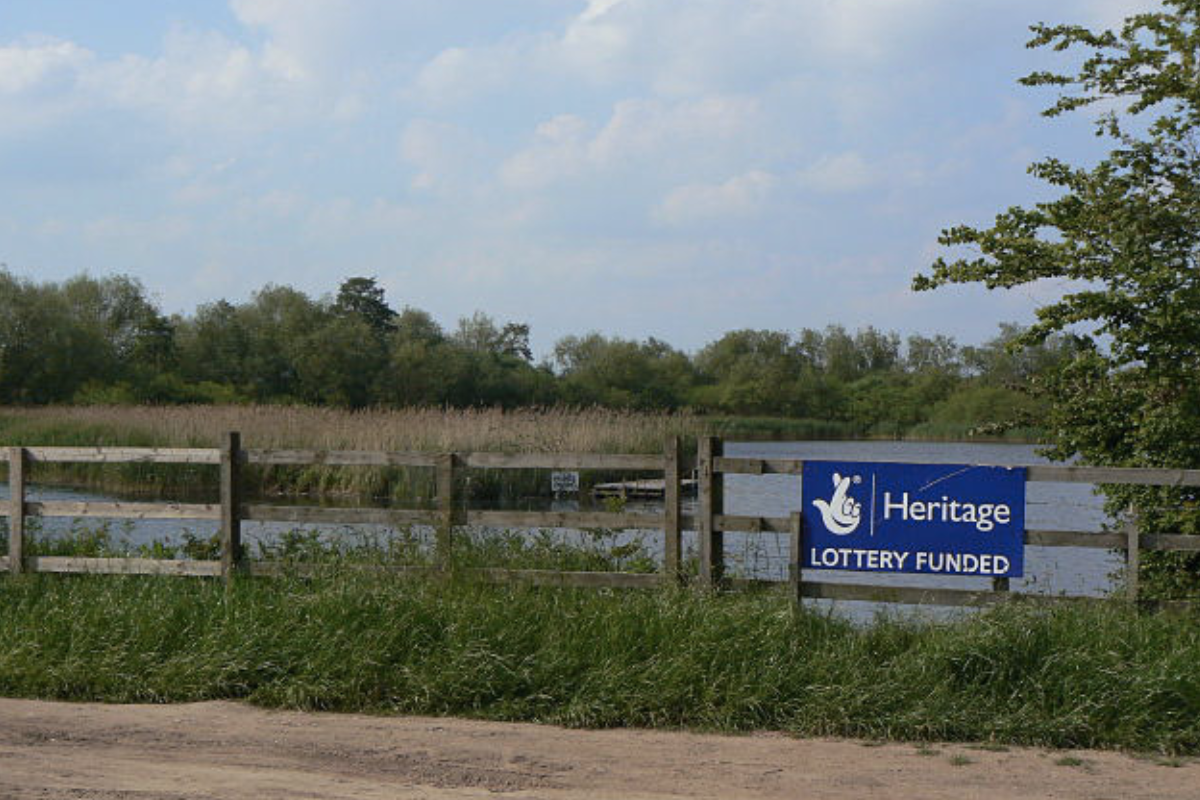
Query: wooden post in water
[
  {"x": 1133, "y": 546},
  {"x": 712, "y": 505},
  {"x": 16, "y": 512},
  {"x": 796, "y": 555},
  {"x": 672, "y": 510},
  {"x": 448, "y": 503},
  {"x": 231, "y": 505}
]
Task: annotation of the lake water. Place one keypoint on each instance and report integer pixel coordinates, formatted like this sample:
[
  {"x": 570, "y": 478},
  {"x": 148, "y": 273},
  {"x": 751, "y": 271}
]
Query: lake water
[{"x": 1050, "y": 506}]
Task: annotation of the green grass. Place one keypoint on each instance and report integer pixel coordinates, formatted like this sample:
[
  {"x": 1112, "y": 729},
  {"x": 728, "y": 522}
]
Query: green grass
[{"x": 1070, "y": 676}]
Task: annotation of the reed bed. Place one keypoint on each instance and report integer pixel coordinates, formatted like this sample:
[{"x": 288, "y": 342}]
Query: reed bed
[
  {"x": 536, "y": 430},
  {"x": 540, "y": 430}
]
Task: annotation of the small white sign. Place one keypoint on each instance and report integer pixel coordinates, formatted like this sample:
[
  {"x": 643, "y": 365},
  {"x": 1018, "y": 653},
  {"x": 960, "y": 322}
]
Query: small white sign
[{"x": 564, "y": 482}]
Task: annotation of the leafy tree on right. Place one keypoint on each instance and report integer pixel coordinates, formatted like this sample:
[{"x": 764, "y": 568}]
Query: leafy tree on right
[{"x": 1128, "y": 230}]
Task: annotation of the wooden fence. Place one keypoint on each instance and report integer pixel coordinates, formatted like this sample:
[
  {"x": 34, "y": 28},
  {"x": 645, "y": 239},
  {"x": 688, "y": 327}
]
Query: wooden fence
[{"x": 710, "y": 520}]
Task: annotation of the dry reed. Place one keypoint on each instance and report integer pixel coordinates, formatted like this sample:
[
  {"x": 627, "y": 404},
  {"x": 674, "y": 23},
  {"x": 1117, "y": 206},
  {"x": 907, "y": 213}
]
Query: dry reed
[{"x": 412, "y": 429}]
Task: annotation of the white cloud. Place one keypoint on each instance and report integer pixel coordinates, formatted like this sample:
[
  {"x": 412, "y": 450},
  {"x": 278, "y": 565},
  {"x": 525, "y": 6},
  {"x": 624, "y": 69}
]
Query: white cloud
[
  {"x": 639, "y": 132},
  {"x": 841, "y": 172},
  {"x": 446, "y": 156},
  {"x": 44, "y": 66},
  {"x": 559, "y": 151},
  {"x": 39, "y": 83},
  {"x": 689, "y": 49},
  {"x": 201, "y": 80},
  {"x": 204, "y": 80},
  {"x": 740, "y": 196}
]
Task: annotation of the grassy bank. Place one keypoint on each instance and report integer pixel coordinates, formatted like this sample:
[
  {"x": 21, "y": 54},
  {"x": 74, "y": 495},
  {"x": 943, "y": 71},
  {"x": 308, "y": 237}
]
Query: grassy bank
[{"x": 1068, "y": 676}]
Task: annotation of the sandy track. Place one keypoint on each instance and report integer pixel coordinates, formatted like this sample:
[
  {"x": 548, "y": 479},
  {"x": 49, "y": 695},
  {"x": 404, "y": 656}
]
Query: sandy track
[{"x": 206, "y": 751}]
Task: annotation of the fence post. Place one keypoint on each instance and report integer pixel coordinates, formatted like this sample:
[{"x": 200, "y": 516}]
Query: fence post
[
  {"x": 231, "y": 505},
  {"x": 796, "y": 556},
  {"x": 448, "y": 502},
  {"x": 712, "y": 505},
  {"x": 672, "y": 535},
  {"x": 16, "y": 512},
  {"x": 1133, "y": 545}
]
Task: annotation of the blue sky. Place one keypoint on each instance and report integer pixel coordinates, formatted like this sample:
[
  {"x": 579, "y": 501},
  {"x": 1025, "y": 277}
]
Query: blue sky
[{"x": 635, "y": 167}]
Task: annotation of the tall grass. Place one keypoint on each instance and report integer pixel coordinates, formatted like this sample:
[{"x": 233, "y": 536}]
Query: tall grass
[
  {"x": 548, "y": 430},
  {"x": 1066, "y": 676}
]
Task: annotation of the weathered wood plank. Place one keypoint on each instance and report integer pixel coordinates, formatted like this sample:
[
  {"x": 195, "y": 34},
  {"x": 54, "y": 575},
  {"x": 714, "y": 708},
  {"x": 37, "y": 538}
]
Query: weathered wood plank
[
  {"x": 1106, "y": 541},
  {"x": 1133, "y": 556},
  {"x": 759, "y": 466},
  {"x": 231, "y": 504},
  {"x": 536, "y": 577},
  {"x": 796, "y": 555},
  {"x": 125, "y": 566},
  {"x": 338, "y": 516},
  {"x": 1131, "y": 475},
  {"x": 711, "y": 506},
  {"x": 645, "y": 489},
  {"x": 1170, "y": 541},
  {"x": 587, "y": 580},
  {"x": 125, "y": 455},
  {"x": 672, "y": 507},
  {"x": 742, "y": 524},
  {"x": 614, "y": 461},
  {"x": 341, "y": 458},
  {"x": 910, "y": 595},
  {"x": 277, "y": 568},
  {"x": 65, "y": 508},
  {"x": 449, "y": 507},
  {"x": 17, "y": 508},
  {"x": 565, "y": 519}
]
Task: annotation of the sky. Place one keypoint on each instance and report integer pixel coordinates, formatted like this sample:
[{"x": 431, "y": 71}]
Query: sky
[{"x": 633, "y": 167}]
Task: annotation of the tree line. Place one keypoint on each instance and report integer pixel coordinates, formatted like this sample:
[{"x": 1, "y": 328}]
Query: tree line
[{"x": 104, "y": 340}]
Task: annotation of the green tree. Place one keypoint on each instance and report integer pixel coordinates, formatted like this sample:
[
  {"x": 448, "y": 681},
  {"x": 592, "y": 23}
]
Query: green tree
[
  {"x": 84, "y": 335},
  {"x": 340, "y": 364},
  {"x": 481, "y": 334},
  {"x": 750, "y": 372},
  {"x": 1127, "y": 229},
  {"x": 364, "y": 299},
  {"x": 621, "y": 373}
]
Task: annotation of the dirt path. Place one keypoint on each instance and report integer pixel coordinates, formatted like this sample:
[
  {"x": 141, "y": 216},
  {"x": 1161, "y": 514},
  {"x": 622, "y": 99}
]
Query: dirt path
[{"x": 206, "y": 751}]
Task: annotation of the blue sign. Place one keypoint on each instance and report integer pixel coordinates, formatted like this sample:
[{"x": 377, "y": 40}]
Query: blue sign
[{"x": 951, "y": 519}]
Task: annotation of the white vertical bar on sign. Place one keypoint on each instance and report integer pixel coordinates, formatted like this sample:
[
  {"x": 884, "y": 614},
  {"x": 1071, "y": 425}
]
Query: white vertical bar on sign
[{"x": 872, "y": 505}]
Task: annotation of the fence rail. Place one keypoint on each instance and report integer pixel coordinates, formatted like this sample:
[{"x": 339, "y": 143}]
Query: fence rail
[{"x": 709, "y": 521}]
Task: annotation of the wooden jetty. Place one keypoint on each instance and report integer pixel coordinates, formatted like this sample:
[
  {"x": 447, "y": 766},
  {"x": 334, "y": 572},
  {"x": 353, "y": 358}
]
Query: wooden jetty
[{"x": 650, "y": 489}]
